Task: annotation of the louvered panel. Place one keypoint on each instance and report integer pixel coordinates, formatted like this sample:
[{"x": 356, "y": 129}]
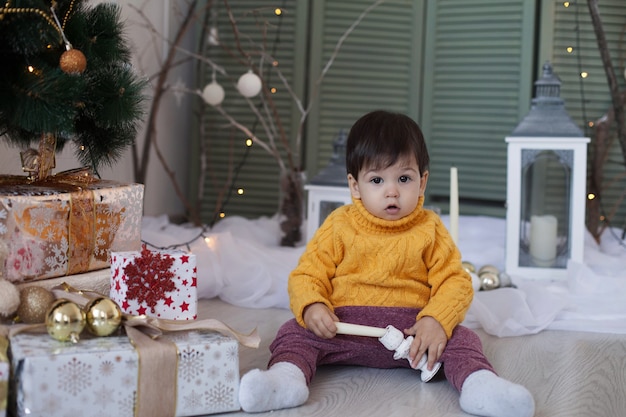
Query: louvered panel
[
  {"x": 477, "y": 76},
  {"x": 258, "y": 173},
  {"x": 594, "y": 88},
  {"x": 468, "y": 83},
  {"x": 587, "y": 100},
  {"x": 374, "y": 69}
]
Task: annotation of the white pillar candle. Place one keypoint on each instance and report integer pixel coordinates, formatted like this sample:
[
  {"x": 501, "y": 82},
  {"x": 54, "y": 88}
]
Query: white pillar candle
[
  {"x": 359, "y": 330},
  {"x": 454, "y": 205},
  {"x": 543, "y": 240}
]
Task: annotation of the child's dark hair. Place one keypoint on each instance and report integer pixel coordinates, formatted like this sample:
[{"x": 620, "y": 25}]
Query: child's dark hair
[{"x": 379, "y": 138}]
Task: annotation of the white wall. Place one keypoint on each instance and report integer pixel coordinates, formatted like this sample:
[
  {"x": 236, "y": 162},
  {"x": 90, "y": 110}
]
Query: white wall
[{"x": 174, "y": 117}]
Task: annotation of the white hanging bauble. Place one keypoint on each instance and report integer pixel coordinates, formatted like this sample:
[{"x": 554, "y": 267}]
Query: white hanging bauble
[
  {"x": 213, "y": 94},
  {"x": 249, "y": 84}
]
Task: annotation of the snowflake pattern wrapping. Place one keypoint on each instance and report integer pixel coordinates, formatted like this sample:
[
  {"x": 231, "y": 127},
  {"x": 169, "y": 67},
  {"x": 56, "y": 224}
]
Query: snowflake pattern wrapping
[
  {"x": 98, "y": 376},
  {"x": 53, "y": 230},
  {"x": 161, "y": 284}
]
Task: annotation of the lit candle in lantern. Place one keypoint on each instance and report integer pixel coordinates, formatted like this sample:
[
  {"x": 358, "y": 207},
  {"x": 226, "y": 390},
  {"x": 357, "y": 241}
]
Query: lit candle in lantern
[
  {"x": 454, "y": 205},
  {"x": 543, "y": 240}
]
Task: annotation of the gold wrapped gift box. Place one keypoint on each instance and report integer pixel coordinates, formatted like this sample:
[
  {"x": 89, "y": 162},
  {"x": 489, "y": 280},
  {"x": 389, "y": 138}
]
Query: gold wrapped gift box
[{"x": 64, "y": 225}]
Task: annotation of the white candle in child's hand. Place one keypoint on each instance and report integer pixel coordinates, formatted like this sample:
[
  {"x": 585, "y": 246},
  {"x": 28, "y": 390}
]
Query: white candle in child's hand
[
  {"x": 359, "y": 330},
  {"x": 543, "y": 239},
  {"x": 454, "y": 205}
]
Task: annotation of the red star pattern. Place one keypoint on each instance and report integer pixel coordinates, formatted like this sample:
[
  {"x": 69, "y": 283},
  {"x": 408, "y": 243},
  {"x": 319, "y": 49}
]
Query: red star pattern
[{"x": 184, "y": 306}]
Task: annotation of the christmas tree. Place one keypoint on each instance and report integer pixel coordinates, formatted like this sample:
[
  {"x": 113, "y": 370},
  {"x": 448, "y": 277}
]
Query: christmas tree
[{"x": 66, "y": 77}]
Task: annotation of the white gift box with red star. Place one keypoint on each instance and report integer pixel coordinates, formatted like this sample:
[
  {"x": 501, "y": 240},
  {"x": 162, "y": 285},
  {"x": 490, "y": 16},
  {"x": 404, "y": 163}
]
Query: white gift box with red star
[{"x": 159, "y": 284}]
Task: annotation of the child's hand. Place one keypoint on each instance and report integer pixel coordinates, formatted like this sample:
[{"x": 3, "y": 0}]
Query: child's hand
[
  {"x": 429, "y": 337},
  {"x": 320, "y": 320}
]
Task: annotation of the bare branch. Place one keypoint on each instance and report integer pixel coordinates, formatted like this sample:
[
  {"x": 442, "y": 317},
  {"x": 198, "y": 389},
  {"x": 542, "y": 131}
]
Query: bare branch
[
  {"x": 273, "y": 152},
  {"x": 141, "y": 165},
  {"x": 332, "y": 58},
  {"x": 618, "y": 105}
]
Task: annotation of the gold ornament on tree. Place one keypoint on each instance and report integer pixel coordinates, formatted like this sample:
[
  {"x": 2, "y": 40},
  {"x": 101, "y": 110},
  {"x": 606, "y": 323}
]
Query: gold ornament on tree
[
  {"x": 103, "y": 316},
  {"x": 73, "y": 61},
  {"x": 34, "y": 304},
  {"x": 40, "y": 162},
  {"x": 65, "y": 321}
]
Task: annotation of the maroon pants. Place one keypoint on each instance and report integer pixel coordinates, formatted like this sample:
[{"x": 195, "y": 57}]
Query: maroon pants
[{"x": 462, "y": 356}]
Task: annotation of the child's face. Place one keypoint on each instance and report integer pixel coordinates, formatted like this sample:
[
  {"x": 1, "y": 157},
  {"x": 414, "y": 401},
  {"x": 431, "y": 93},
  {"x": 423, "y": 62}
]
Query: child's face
[{"x": 390, "y": 193}]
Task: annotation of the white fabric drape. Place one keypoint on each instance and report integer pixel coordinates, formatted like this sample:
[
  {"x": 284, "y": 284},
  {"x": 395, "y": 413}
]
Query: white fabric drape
[{"x": 241, "y": 262}]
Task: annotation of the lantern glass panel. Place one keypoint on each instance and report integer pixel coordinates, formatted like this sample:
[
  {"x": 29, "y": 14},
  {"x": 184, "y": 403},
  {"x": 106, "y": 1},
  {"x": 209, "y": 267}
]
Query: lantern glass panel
[
  {"x": 326, "y": 207},
  {"x": 545, "y": 208}
]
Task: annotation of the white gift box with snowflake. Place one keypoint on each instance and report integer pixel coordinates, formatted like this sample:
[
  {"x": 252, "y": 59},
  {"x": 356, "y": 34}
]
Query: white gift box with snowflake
[
  {"x": 99, "y": 376},
  {"x": 160, "y": 284},
  {"x": 51, "y": 229}
]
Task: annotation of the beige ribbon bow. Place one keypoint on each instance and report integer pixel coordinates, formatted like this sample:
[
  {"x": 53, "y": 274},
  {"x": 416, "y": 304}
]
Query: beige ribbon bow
[{"x": 158, "y": 364}]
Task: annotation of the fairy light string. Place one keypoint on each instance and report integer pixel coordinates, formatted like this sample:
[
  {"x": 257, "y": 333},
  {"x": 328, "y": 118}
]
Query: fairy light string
[
  {"x": 588, "y": 124},
  {"x": 219, "y": 213},
  {"x": 581, "y": 78}
]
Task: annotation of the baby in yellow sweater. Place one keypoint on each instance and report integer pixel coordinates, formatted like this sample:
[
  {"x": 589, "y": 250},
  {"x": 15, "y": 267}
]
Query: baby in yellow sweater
[{"x": 383, "y": 260}]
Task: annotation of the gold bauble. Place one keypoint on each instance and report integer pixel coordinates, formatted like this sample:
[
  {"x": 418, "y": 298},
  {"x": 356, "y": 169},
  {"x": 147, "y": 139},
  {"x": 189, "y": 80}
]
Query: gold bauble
[
  {"x": 468, "y": 266},
  {"x": 73, "y": 61},
  {"x": 488, "y": 268},
  {"x": 103, "y": 316},
  {"x": 489, "y": 281},
  {"x": 34, "y": 304},
  {"x": 65, "y": 320}
]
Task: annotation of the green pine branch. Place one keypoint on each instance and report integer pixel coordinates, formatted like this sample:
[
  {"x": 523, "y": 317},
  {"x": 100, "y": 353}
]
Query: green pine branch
[{"x": 97, "y": 111}]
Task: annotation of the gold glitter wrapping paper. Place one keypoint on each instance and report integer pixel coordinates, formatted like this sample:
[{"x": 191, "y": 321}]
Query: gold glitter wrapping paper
[{"x": 56, "y": 228}]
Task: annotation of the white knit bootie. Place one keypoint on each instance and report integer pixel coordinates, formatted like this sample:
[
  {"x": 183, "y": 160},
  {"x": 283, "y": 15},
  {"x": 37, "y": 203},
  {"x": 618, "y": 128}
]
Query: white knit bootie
[
  {"x": 281, "y": 386},
  {"x": 486, "y": 394}
]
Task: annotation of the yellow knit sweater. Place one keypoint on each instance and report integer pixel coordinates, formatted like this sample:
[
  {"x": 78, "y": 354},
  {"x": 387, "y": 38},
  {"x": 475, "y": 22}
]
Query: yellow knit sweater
[{"x": 357, "y": 259}]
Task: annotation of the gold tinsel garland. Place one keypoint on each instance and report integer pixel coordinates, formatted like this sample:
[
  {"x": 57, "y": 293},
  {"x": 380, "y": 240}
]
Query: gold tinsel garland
[{"x": 7, "y": 9}]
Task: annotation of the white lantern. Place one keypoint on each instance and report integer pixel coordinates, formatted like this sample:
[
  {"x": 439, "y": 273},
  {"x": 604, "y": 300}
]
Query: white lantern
[
  {"x": 546, "y": 183},
  {"x": 328, "y": 189}
]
